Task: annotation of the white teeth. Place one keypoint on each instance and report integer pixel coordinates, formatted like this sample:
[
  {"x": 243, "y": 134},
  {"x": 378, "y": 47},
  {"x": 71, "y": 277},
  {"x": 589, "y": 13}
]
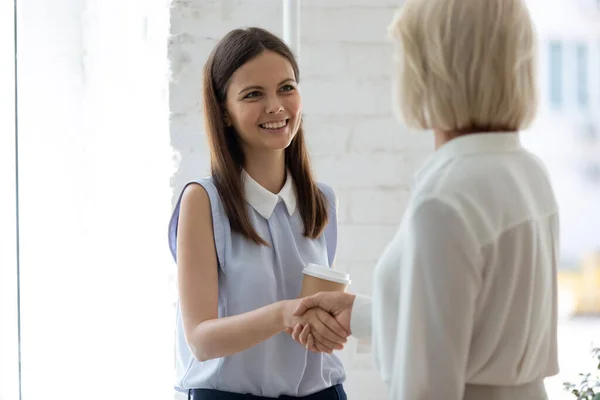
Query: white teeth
[{"x": 274, "y": 125}]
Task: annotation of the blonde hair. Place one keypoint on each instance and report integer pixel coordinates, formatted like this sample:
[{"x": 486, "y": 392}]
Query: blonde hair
[{"x": 466, "y": 64}]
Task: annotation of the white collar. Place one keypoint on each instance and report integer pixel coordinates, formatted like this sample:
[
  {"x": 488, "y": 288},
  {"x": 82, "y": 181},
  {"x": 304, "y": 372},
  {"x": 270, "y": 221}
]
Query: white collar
[
  {"x": 263, "y": 201},
  {"x": 474, "y": 143}
]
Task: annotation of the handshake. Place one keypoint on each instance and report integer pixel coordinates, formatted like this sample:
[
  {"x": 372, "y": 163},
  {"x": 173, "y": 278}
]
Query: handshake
[
  {"x": 320, "y": 322},
  {"x": 320, "y": 319}
]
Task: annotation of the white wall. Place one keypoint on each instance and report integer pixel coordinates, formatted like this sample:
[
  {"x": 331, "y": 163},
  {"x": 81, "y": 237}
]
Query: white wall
[
  {"x": 8, "y": 247},
  {"x": 355, "y": 142},
  {"x": 49, "y": 114},
  {"x": 95, "y": 165}
]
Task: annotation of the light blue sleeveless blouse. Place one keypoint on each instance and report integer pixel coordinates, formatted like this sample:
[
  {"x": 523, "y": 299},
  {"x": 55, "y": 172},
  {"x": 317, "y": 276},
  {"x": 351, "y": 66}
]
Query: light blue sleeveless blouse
[{"x": 253, "y": 276}]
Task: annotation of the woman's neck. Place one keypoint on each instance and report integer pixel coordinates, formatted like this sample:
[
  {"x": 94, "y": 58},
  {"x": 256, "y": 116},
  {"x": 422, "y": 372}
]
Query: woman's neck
[
  {"x": 267, "y": 168},
  {"x": 443, "y": 137}
]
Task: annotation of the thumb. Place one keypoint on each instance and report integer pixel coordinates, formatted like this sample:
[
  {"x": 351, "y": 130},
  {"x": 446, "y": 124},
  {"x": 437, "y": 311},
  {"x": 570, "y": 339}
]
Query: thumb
[{"x": 306, "y": 304}]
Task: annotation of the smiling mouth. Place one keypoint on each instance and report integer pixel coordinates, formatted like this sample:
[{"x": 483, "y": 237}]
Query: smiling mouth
[{"x": 275, "y": 125}]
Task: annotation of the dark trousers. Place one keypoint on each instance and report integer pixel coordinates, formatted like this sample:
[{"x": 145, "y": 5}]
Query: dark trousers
[{"x": 333, "y": 393}]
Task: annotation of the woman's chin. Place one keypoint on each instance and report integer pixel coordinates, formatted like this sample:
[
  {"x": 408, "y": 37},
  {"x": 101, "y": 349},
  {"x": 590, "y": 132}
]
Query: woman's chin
[{"x": 280, "y": 143}]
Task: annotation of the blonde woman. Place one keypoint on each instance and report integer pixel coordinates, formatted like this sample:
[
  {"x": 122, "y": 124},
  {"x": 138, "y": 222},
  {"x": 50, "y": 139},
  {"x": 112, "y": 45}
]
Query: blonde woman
[{"x": 464, "y": 300}]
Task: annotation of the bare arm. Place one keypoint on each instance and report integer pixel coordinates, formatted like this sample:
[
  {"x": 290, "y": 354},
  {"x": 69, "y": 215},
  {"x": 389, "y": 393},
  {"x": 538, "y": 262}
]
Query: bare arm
[{"x": 207, "y": 335}]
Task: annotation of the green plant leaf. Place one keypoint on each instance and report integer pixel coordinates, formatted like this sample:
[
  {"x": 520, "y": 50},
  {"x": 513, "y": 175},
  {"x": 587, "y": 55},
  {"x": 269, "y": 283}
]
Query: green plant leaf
[{"x": 597, "y": 397}]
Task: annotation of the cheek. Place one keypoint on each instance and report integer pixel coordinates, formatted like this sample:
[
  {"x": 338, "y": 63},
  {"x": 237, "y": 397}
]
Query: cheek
[
  {"x": 245, "y": 116},
  {"x": 294, "y": 105}
]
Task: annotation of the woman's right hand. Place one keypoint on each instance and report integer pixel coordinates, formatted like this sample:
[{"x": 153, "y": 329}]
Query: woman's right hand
[
  {"x": 301, "y": 334},
  {"x": 319, "y": 328}
]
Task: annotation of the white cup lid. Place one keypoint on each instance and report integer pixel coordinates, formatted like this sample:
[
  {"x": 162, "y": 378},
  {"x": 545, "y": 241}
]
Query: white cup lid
[{"x": 323, "y": 272}]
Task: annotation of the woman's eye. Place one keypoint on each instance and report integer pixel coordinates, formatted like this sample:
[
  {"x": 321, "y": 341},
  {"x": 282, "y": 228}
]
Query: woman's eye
[
  {"x": 252, "y": 95},
  {"x": 287, "y": 88}
]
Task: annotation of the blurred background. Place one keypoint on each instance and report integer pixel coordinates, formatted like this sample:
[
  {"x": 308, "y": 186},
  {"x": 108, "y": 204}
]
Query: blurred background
[{"x": 103, "y": 127}]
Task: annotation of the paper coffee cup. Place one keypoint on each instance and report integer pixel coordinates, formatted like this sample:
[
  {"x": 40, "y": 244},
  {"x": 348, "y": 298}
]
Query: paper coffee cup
[{"x": 319, "y": 278}]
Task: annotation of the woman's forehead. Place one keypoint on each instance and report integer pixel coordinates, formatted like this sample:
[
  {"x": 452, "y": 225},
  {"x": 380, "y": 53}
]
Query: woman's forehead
[{"x": 266, "y": 69}]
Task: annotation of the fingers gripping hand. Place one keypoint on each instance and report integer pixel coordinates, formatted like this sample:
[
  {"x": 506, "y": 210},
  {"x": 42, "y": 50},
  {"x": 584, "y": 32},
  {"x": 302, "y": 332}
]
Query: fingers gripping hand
[{"x": 319, "y": 331}]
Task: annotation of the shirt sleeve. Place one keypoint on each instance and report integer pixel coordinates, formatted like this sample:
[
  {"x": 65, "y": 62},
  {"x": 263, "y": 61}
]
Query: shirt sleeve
[
  {"x": 438, "y": 286},
  {"x": 360, "y": 318}
]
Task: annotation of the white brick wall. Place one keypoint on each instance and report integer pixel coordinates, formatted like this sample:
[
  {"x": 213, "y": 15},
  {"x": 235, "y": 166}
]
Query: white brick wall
[{"x": 356, "y": 144}]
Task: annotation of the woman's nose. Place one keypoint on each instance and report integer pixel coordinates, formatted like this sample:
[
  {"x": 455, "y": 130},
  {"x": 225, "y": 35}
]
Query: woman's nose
[{"x": 274, "y": 105}]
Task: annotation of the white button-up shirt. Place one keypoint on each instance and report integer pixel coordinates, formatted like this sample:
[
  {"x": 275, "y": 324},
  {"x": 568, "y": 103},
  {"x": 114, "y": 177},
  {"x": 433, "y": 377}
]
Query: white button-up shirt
[{"x": 464, "y": 296}]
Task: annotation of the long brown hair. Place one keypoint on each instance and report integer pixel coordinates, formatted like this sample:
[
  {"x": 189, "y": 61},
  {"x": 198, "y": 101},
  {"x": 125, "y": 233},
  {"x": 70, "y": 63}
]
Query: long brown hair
[{"x": 226, "y": 155}]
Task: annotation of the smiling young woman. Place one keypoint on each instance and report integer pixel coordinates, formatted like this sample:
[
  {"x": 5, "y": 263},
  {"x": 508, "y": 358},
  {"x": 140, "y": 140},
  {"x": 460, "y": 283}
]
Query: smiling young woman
[
  {"x": 251, "y": 79},
  {"x": 242, "y": 237}
]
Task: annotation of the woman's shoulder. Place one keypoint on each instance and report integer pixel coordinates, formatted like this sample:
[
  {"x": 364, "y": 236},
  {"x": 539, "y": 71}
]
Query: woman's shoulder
[
  {"x": 205, "y": 184},
  {"x": 328, "y": 191}
]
